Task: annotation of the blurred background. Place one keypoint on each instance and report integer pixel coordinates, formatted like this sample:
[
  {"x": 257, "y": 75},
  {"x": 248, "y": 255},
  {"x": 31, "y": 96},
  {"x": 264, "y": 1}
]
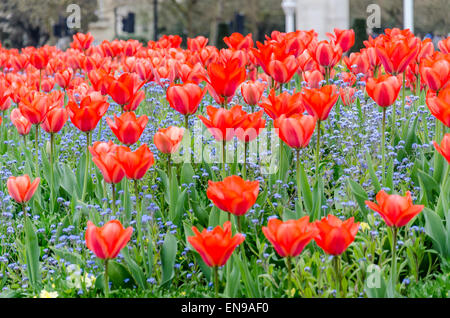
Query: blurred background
[{"x": 38, "y": 22}]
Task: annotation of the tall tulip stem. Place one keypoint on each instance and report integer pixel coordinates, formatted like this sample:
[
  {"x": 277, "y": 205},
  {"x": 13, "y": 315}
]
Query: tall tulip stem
[
  {"x": 337, "y": 271},
  {"x": 394, "y": 255},
  {"x": 244, "y": 173},
  {"x": 106, "y": 279},
  {"x": 52, "y": 141},
  {"x": 383, "y": 150},
  {"x": 224, "y": 157},
  {"x": 169, "y": 167},
  {"x": 318, "y": 151},
  {"x": 113, "y": 205},
  {"x": 403, "y": 94},
  {"x": 289, "y": 270},
  {"x": 216, "y": 281},
  {"x": 36, "y": 146},
  {"x": 186, "y": 121},
  {"x": 86, "y": 168},
  {"x": 299, "y": 195}
]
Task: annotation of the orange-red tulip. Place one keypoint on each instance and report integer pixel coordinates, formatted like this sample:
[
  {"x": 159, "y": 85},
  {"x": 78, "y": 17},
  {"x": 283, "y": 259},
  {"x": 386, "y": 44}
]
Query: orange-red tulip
[
  {"x": 251, "y": 127},
  {"x": 252, "y": 92},
  {"x": 197, "y": 43},
  {"x": 55, "y": 119},
  {"x": 282, "y": 104},
  {"x": 107, "y": 241},
  {"x": 233, "y": 195},
  {"x": 296, "y": 131},
  {"x": 289, "y": 238},
  {"x": 224, "y": 79},
  {"x": 21, "y": 188},
  {"x": 110, "y": 167},
  {"x": 135, "y": 163},
  {"x": 64, "y": 77},
  {"x": 185, "y": 98},
  {"x": 384, "y": 90},
  {"x": 34, "y": 107},
  {"x": 125, "y": 91},
  {"x": 101, "y": 147},
  {"x": 347, "y": 95},
  {"x": 394, "y": 209},
  {"x": 239, "y": 42},
  {"x": 335, "y": 235},
  {"x": 215, "y": 246},
  {"x": 439, "y": 105},
  {"x": 127, "y": 128},
  {"x": 396, "y": 54},
  {"x": 22, "y": 124},
  {"x": 319, "y": 101},
  {"x": 86, "y": 116},
  {"x": 444, "y": 45},
  {"x": 327, "y": 54},
  {"x": 444, "y": 148},
  {"x": 435, "y": 72},
  {"x": 168, "y": 140},
  {"x": 223, "y": 122},
  {"x": 344, "y": 38},
  {"x": 82, "y": 41}
]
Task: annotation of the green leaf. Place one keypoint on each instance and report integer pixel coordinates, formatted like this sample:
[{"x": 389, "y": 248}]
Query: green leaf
[
  {"x": 306, "y": 190},
  {"x": 179, "y": 208},
  {"x": 214, "y": 217},
  {"x": 119, "y": 275},
  {"x": 429, "y": 185},
  {"x": 135, "y": 270},
  {"x": 32, "y": 255},
  {"x": 390, "y": 176},
  {"x": 435, "y": 229},
  {"x": 168, "y": 254},
  {"x": 187, "y": 174},
  {"x": 165, "y": 182},
  {"x": 206, "y": 270},
  {"x": 69, "y": 181},
  {"x": 360, "y": 195},
  {"x": 233, "y": 276},
  {"x": 372, "y": 174}
]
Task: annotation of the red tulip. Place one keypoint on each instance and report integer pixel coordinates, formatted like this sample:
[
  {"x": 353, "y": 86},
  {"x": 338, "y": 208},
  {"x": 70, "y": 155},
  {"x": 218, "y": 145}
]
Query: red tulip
[
  {"x": 197, "y": 43},
  {"x": 384, "y": 90},
  {"x": 251, "y": 127},
  {"x": 224, "y": 79},
  {"x": 239, "y": 42},
  {"x": 335, "y": 235},
  {"x": 233, "y": 195},
  {"x": 439, "y": 105},
  {"x": 109, "y": 166},
  {"x": 344, "y": 38},
  {"x": 55, "y": 120},
  {"x": 101, "y": 147},
  {"x": 34, "y": 107},
  {"x": 289, "y": 238},
  {"x": 282, "y": 70},
  {"x": 296, "y": 131},
  {"x": 282, "y": 104},
  {"x": 107, "y": 241},
  {"x": 435, "y": 72},
  {"x": 327, "y": 54},
  {"x": 21, "y": 188},
  {"x": 223, "y": 122},
  {"x": 347, "y": 95},
  {"x": 86, "y": 116},
  {"x": 5, "y": 93},
  {"x": 82, "y": 41},
  {"x": 185, "y": 98},
  {"x": 39, "y": 58},
  {"x": 188, "y": 73},
  {"x": 444, "y": 45},
  {"x": 357, "y": 63},
  {"x": 168, "y": 140},
  {"x": 127, "y": 128},
  {"x": 395, "y": 54},
  {"x": 252, "y": 92},
  {"x": 64, "y": 77},
  {"x": 216, "y": 246},
  {"x": 125, "y": 91},
  {"x": 319, "y": 101},
  {"x": 444, "y": 148},
  {"x": 313, "y": 78},
  {"x": 394, "y": 209},
  {"x": 135, "y": 163},
  {"x": 22, "y": 124}
]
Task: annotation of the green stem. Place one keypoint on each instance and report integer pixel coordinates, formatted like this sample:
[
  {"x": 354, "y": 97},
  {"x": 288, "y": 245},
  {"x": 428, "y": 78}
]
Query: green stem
[
  {"x": 403, "y": 94},
  {"x": 36, "y": 142},
  {"x": 106, "y": 279},
  {"x": 318, "y": 150},
  {"x": 224, "y": 156},
  {"x": 186, "y": 121},
  {"x": 299, "y": 166},
  {"x": 25, "y": 140},
  {"x": 383, "y": 150},
  {"x": 52, "y": 140},
  {"x": 86, "y": 168},
  {"x": 289, "y": 270},
  {"x": 216, "y": 281},
  {"x": 40, "y": 79},
  {"x": 169, "y": 167},
  {"x": 244, "y": 172},
  {"x": 113, "y": 205},
  {"x": 337, "y": 271},
  {"x": 394, "y": 255}
]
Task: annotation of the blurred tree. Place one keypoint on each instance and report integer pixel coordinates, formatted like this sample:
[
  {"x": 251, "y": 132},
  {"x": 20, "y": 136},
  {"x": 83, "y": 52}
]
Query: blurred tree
[{"x": 30, "y": 22}]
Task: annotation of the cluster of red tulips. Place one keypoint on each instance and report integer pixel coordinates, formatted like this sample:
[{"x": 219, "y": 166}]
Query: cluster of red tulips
[{"x": 88, "y": 75}]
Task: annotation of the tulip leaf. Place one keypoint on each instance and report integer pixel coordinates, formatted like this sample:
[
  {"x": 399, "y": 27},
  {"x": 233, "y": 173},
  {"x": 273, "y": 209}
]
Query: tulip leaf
[
  {"x": 187, "y": 174},
  {"x": 360, "y": 195},
  {"x": 206, "y": 270},
  {"x": 390, "y": 176},
  {"x": 233, "y": 279},
  {"x": 199, "y": 211},
  {"x": 180, "y": 208},
  {"x": 438, "y": 170},
  {"x": 119, "y": 275},
  {"x": 430, "y": 187},
  {"x": 214, "y": 217},
  {"x": 306, "y": 190},
  {"x": 32, "y": 255},
  {"x": 68, "y": 181},
  {"x": 375, "y": 285},
  {"x": 68, "y": 256},
  {"x": 134, "y": 269},
  {"x": 168, "y": 254},
  {"x": 372, "y": 174},
  {"x": 435, "y": 229}
]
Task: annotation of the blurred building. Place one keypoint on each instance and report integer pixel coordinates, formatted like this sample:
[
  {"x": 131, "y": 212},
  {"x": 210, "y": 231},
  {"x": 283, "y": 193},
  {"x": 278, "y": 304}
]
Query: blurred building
[{"x": 123, "y": 19}]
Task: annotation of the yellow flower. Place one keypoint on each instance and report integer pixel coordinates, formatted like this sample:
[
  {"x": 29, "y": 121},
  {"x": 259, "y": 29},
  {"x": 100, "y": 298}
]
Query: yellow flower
[
  {"x": 364, "y": 226},
  {"x": 46, "y": 294}
]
